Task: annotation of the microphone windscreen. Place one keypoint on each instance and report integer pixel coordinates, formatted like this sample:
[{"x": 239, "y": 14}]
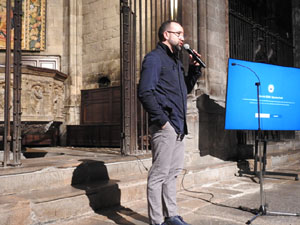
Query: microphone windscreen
[{"x": 186, "y": 46}]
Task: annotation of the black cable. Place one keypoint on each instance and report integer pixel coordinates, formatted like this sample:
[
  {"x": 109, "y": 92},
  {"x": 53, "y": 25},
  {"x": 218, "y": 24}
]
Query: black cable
[
  {"x": 242, "y": 208},
  {"x": 141, "y": 163}
]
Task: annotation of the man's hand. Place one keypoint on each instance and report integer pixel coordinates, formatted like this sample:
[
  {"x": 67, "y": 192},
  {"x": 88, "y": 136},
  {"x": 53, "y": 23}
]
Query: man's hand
[
  {"x": 192, "y": 61},
  {"x": 164, "y": 126}
]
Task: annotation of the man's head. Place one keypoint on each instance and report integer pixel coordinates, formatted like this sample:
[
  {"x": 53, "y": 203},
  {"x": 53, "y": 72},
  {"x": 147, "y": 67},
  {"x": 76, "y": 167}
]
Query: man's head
[{"x": 171, "y": 34}]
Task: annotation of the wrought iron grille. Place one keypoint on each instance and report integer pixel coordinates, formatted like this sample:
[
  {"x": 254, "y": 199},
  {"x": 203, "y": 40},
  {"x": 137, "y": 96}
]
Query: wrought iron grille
[
  {"x": 254, "y": 42},
  {"x": 140, "y": 20},
  {"x": 15, "y": 138},
  {"x": 253, "y": 38}
]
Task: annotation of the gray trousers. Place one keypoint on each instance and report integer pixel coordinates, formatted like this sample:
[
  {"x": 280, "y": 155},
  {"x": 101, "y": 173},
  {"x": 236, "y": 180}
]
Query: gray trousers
[{"x": 167, "y": 163}]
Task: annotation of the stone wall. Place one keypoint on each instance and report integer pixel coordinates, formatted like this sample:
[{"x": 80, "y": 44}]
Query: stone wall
[
  {"x": 54, "y": 42},
  {"x": 62, "y": 39},
  {"x": 57, "y": 44},
  {"x": 101, "y": 42},
  {"x": 217, "y": 47},
  {"x": 296, "y": 38},
  {"x": 72, "y": 60},
  {"x": 296, "y": 31},
  {"x": 86, "y": 37},
  {"x": 206, "y": 26}
]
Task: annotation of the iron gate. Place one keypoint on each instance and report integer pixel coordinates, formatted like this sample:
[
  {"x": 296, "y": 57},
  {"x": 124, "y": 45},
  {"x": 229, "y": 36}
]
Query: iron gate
[
  {"x": 13, "y": 140},
  {"x": 253, "y": 41},
  {"x": 139, "y": 20}
]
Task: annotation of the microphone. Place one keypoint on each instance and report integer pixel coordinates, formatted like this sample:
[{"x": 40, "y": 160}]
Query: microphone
[
  {"x": 257, "y": 84},
  {"x": 236, "y": 64},
  {"x": 196, "y": 57}
]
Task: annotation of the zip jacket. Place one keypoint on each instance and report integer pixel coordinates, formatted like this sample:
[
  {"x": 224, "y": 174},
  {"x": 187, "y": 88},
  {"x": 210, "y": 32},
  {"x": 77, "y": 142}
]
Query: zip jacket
[{"x": 163, "y": 88}]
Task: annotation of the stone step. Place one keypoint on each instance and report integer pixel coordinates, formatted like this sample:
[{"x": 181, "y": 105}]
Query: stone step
[
  {"x": 56, "y": 204},
  {"x": 194, "y": 176},
  {"x": 276, "y": 159},
  {"x": 64, "y": 203},
  {"x": 14, "y": 210},
  {"x": 76, "y": 187},
  {"x": 273, "y": 150},
  {"x": 38, "y": 174}
]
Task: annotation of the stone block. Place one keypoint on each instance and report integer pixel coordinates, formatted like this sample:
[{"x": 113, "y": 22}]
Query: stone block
[
  {"x": 14, "y": 211},
  {"x": 43, "y": 94}
]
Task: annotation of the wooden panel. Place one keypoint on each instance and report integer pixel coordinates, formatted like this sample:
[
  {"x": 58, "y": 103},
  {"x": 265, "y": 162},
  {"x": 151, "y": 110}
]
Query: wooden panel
[
  {"x": 37, "y": 133},
  {"x": 100, "y": 119},
  {"x": 101, "y": 106},
  {"x": 93, "y": 135},
  {"x": 49, "y": 139}
]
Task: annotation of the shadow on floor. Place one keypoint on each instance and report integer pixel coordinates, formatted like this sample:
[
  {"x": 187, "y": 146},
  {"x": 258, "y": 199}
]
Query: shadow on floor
[{"x": 103, "y": 193}]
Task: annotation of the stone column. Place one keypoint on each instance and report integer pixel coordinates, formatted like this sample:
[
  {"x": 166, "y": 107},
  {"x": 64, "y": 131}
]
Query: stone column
[
  {"x": 74, "y": 84},
  {"x": 207, "y": 28},
  {"x": 189, "y": 20},
  {"x": 296, "y": 31},
  {"x": 296, "y": 39},
  {"x": 73, "y": 59}
]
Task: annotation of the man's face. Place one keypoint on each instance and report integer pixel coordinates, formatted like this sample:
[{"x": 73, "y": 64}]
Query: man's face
[{"x": 174, "y": 36}]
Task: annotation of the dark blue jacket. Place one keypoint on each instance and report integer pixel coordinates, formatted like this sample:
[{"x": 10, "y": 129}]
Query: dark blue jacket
[{"x": 163, "y": 88}]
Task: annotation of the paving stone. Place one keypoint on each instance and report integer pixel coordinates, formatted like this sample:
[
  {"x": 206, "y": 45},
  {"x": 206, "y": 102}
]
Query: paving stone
[{"x": 206, "y": 195}]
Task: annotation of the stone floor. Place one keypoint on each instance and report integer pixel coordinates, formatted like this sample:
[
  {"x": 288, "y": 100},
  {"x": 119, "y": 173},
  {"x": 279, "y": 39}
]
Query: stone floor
[
  {"x": 216, "y": 202},
  {"x": 230, "y": 202}
]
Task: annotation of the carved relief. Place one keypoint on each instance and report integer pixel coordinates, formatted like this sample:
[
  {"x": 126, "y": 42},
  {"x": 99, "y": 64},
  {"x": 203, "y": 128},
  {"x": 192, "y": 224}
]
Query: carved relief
[
  {"x": 36, "y": 99},
  {"x": 2, "y": 86},
  {"x": 42, "y": 96},
  {"x": 58, "y": 104},
  {"x": 2, "y": 91}
]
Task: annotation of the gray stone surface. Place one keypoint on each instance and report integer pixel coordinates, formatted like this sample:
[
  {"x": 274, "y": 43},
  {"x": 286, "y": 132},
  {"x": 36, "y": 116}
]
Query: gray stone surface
[
  {"x": 78, "y": 187},
  {"x": 224, "y": 202}
]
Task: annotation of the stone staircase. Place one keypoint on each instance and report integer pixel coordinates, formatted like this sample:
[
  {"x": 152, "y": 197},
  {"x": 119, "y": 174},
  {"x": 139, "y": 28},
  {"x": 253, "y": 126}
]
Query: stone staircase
[
  {"x": 73, "y": 184},
  {"x": 64, "y": 186},
  {"x": 56, "y": 188}
]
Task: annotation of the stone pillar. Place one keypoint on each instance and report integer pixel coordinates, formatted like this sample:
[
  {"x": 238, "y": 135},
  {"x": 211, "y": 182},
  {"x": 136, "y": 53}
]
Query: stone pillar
[
  {"x": 202, "y": 44},
  {"x": 207, "y": 29},
  {"x": 296, "y": 39},
  {"x": 75, "y": 66},
  {"x": 296, "y": 31},
  {"x": 213, "y": 45},
  {"x": 74, "y": 83},
  {"x": 189, "y": 20}
]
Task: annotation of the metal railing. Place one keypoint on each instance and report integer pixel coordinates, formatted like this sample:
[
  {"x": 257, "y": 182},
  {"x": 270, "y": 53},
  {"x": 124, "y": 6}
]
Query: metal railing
[
  {"x": 140, "y": 20},
  {"x": 253, "y": 42},
  {"x": 15, "y": 141}
]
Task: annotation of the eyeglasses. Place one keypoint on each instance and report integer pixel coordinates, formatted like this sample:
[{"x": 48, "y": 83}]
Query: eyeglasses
[{"x": 177, "y": 34}]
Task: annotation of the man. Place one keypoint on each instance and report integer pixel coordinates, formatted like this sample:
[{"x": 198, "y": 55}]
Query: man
[{"x": 163, "y": 92}]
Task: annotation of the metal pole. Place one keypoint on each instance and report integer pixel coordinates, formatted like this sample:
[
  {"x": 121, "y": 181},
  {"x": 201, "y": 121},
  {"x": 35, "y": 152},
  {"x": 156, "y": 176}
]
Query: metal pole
[
  {"x": 17, "y": 84},
  {"x": 125, "y": 85},
  {"x": 7, "y": 137}
]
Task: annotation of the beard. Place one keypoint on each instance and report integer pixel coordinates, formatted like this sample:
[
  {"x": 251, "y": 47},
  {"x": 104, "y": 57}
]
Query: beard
[{"x": 176, "y": 48}]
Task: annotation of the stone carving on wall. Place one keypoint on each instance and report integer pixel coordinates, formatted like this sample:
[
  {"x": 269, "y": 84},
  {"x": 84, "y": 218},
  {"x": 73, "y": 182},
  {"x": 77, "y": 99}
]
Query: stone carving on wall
[
  {"x": 36, "y": 99},
  {"x": 2, "y": 91},
  {"x": 42, "y": 97},
  {"x": 2, "y": 85},
  {"x": 58, "y": 100}
]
